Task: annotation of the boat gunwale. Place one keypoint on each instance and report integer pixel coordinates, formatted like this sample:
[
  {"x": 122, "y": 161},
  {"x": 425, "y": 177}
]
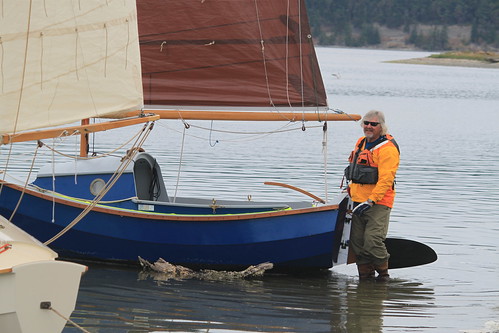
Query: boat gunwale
[
  {"x": 169, "y": 216},
  {"x": 6, "y": 270}
]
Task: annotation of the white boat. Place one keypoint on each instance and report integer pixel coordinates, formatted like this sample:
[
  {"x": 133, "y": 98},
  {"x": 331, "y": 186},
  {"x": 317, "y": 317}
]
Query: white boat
[
  {"x": 60, "y": 61},
  {"x": 38, "y": 291}
]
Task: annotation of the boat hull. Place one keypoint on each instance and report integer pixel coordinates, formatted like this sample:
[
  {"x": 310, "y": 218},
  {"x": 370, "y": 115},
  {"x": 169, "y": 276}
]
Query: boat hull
[
  {"x": 38, "y": 292},
  {"x": 27, "y": 285},
  {"x": 290, "y": 239}
]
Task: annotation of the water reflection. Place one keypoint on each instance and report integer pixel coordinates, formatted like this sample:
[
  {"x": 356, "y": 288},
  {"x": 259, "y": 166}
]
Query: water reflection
[{"x": 121, "y": 300}]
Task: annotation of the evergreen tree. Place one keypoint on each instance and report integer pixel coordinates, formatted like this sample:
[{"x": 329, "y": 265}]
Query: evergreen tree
[{"x": 352, "y": 22}]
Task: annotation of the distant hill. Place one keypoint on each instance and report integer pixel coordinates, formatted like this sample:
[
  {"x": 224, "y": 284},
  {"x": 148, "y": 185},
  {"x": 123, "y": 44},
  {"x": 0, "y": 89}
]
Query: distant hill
[{"x": 432, "y": 25}]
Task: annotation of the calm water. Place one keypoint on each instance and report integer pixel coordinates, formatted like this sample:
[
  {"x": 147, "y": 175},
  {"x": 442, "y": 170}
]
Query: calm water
[{"x": 446, "y": 121}]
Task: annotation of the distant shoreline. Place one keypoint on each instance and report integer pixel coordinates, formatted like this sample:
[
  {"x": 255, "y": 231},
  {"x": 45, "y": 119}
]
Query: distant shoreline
[{"x": 447, "y": 62}]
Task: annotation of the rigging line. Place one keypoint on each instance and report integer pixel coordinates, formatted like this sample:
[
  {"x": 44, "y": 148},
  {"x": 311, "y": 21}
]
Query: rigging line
[
  {"x": 257, "y": 136},
  {"x": 255, "y": 133},
  {"x": 287, "y": 53},
  {"x": 211, "y": 131},
  {"x": 114, "y": 178},
  {"x": 53, "y": 173},
  {"x": 23, "y": 75},
  {"x": 53, "y": 182},
  {"x": 25, "y": 184},
  {"x": 262, "y": 43},
  {"x": 76, "y": 151},
  {"x": 314, "y": 77},
  {"x": 301, "y": 52},
  {"x": 68, "y": 320},
  {"x": 94, "y": 139},
  {"x": 7, "y": 161},
  {"x": 1, "y": 63},
  {"x": 338, "y": 111},
  {"x": 180, "y": 163},
  {"x": 236, "y": 132},
  {"x": 325, "y": 155},
  {"x": 41, "y": 59},
  {"x": 177, "y": 131},
  {"x": 92, "y": 157}
]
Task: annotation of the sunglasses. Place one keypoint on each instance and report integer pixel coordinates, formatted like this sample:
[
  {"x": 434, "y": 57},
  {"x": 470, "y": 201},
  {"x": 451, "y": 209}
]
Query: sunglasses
[{"x": 372, "y": 123}]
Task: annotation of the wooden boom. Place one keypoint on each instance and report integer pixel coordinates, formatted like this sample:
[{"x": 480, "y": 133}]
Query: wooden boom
[
  {"x": 72, "y": 130},
  {"x": 250, "y": 115}
]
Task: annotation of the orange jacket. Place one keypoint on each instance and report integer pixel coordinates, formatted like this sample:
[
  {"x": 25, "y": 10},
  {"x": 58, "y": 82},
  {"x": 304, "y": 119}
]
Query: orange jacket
[{"x": 385, "y": 158}]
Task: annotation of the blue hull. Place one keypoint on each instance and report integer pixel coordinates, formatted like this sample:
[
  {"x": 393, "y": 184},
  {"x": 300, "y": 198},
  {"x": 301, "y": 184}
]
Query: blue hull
[{"x": 291, "y": 239}]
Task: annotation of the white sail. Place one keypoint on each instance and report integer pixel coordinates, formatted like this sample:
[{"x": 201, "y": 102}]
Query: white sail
[{"x": 62, "y": 61}]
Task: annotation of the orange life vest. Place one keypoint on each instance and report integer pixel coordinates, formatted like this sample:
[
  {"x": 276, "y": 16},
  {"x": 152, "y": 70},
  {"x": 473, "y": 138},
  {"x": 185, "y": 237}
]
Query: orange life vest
[{"x": 371, "y": 172}]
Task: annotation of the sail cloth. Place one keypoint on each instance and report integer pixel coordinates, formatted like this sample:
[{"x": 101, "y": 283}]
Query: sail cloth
[
  {"x": 226, "y": 54},
  {"x": 62, "y": 61}
]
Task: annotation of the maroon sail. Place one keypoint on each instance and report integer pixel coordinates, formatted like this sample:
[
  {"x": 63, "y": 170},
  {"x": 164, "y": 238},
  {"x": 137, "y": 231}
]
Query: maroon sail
[{"x": 244, "y": 54}]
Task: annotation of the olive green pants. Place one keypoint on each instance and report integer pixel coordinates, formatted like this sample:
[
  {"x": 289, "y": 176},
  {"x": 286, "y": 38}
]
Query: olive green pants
[{"x": 368, "y": 233}]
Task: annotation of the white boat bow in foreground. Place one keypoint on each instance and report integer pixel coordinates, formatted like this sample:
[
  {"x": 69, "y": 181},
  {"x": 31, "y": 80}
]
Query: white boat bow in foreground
[{"x": 33, "y": 283}]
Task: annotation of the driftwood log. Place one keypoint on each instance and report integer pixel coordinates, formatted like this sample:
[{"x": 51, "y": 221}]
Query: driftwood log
[{"x": 166, "y": 271}]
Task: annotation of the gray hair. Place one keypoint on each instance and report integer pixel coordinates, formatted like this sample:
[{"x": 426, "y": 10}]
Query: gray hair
[{"x": 381, "y": 119}]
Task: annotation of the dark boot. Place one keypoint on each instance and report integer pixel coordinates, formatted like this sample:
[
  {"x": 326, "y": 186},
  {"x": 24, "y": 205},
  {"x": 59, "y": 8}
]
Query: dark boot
[
  {"x": 366, "y": 271},
  {"x": 382, "y": 270}
]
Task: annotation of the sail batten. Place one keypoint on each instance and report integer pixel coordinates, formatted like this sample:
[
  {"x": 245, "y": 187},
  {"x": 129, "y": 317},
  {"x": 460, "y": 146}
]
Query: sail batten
[
  {"x": 242, "y": 53},
  {"x": 66, "y": 61}
]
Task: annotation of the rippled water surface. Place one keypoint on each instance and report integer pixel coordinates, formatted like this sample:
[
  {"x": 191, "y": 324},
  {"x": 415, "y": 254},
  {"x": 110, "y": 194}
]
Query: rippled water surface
[{"x": 446, "y": 122}]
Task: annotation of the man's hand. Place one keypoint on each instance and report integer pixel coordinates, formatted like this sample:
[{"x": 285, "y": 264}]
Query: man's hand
[{"x": 362, "y": 207}]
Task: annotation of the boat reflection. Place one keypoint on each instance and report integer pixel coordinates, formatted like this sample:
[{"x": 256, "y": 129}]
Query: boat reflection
[{"x": 124, "y": 300}]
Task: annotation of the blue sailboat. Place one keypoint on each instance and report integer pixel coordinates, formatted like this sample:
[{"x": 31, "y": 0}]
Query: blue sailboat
[{"x": 207, "y": 60}]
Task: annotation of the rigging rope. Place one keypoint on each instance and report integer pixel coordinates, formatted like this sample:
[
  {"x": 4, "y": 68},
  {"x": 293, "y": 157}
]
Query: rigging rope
[
  {"x": 287, "y": 56},
  {"x": 301, "y": 54},
  {"x": 324, "y": 152},
  {"x": 1, "y": 64},
  {"x": 262, "y": 43},
  {"x": 114, "y": 178},
  {"x": 25, "y": 184},
  {"x": 211, "y": 131},
  {"x": 68, "y": 320},
  {"x": 23, "y": 78},
  {"x": 180, "y": 163},
  {"x": 53, "y": 181},
  {"x": 263, "y": 133},
  {"x": 93, "y": 156}
]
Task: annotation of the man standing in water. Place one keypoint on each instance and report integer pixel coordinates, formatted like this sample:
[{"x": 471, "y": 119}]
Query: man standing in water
[{"x": 371, "y": 173}]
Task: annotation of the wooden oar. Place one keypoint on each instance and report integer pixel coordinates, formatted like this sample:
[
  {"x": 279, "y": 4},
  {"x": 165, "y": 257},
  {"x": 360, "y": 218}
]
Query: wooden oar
[
  {"x": 404, "y": 253},
  {"x": 296, "y": 189}
]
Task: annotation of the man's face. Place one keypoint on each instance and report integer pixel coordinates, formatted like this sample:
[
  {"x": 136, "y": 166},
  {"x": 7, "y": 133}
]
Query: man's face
[{"x": 372, "y": 129}]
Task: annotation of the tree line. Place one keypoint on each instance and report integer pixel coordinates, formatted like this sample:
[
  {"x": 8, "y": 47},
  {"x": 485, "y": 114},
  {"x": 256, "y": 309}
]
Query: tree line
[{"x": 357, "y": 22}]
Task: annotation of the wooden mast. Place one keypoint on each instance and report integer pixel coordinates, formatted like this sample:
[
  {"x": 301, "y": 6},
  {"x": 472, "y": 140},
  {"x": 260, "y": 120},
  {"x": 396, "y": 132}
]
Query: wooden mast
[{"x": 84, "y": 139}]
